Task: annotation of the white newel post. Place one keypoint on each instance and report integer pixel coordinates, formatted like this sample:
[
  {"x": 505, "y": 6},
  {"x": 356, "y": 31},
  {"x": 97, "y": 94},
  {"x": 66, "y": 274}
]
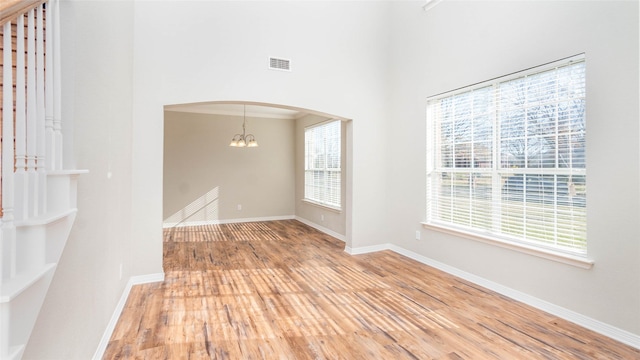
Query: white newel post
[
  {"x": 41, "y": 204},
  {"x": 8, "y": 227},
  {"x": 21, "y": 179}
]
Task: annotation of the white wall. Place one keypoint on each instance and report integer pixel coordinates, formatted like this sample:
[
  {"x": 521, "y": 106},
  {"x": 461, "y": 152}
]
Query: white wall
[
  {"x": 97, "y": 102},
  {"x": 205, "y": 179},
  {"x": 206, "y": 51},
  {"x": 460, "y": 43}
]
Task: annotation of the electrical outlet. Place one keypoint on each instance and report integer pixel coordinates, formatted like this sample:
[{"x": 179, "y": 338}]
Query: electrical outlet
[
  {"x": 322, "y": 217},
  {"x": 239, "y": 207},
  {"x": 417, "y": 235}
]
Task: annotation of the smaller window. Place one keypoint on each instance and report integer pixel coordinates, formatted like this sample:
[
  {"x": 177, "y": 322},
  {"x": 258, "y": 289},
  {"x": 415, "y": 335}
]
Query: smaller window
[{"x": 322, "y": 169}]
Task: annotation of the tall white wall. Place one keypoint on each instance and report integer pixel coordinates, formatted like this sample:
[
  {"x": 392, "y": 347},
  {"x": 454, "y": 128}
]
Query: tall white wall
[
  {"x": 97, "y": 107},
  {"x": 197, "y": 51},
  {"x": 460, "y": 43},
  {"x": 204, "y": 180}
]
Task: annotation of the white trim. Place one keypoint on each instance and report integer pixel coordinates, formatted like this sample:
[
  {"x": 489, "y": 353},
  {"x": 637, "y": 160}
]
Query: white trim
[
  {"x": 322, "y": 229},
  {"x": 47, "y": 218},
  {"x": 67, "y": 172},
  {"x": 15, "y": 286},
  {"x": 227, "y": 221},
  {"x": 366, "y": 249},
  {"x": 600, "y": 327},
  {"x": 134, "y": 280},
  {"x": 331, "y": 208},
  {"x": 549, "y": 254}
]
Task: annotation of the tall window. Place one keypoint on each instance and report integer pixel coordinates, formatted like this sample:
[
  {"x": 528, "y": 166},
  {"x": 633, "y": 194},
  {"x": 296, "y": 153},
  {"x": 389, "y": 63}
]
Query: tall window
[
  {"x": 322, "y": 169},
  {"x": 506, "y": 158}
]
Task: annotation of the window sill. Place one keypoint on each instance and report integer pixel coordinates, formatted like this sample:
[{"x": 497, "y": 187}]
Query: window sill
[
  {"x": 569, "y": 259},
  {"x": 326, "y": 207}
]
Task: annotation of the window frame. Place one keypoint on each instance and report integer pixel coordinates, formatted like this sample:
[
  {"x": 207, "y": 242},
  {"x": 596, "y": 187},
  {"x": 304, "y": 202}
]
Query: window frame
[
  {"x": 326, "y": 192},
  {"x": 576, "y": 257}
]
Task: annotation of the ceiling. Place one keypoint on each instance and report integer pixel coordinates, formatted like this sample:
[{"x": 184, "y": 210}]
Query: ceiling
[{"x": 237, "y": 108}]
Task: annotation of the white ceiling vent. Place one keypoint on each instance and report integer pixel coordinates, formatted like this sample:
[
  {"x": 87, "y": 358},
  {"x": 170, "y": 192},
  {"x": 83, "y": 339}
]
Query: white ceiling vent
[{"x": 279, "y": 64}]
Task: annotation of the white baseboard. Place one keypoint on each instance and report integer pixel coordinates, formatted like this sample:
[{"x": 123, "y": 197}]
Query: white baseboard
[
  {"x": 322, "y": 229},
  {"x": 366, "y": 249},
  {"x": 613, "y": 332},
  {"x": 134, "y": 280},
  {"x": 227, "y": 221}
]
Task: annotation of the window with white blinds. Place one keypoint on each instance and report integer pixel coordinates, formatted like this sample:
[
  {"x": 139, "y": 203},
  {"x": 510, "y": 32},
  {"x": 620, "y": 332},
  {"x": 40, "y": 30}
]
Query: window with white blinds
[
  {"x": 322, "y": 170},
  {"x": 506, "y": 158}
]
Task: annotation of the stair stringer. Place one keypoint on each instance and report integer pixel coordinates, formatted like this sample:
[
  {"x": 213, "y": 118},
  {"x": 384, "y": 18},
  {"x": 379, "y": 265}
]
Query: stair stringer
[{"x": 35, "y": 248}]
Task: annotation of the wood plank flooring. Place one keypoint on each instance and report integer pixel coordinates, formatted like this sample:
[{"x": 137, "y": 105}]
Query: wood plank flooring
[{"x": 282, "y": 290}]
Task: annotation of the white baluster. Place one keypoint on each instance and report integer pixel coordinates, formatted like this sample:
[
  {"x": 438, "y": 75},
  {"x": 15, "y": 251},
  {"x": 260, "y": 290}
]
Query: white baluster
[
  {"x": 41, "y": 205},
  {"x": 54, "y": 6},
  {"x": 21, "y": 179},
  {"x": 50, "y": 152},
  {"x": 8, "y": 230},
  {"x": 8, "y": 227},
  {"x": 32, "y": 116}
]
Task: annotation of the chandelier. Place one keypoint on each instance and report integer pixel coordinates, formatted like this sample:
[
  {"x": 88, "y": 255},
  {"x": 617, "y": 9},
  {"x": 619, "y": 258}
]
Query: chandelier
[{"x": 244, "y": 140}]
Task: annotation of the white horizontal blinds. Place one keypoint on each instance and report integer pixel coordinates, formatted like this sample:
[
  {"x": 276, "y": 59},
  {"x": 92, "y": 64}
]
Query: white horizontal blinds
[
  {"x": 322, "y": 164},
  {"x": 542, "y": 134},
  {"x": 465, "y": 145},
  {"x": 508, "y": 158}
]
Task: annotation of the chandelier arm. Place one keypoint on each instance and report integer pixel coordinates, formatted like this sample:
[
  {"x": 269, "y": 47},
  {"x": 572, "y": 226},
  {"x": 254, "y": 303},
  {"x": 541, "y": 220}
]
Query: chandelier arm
[{"x": 244, "y": 139}]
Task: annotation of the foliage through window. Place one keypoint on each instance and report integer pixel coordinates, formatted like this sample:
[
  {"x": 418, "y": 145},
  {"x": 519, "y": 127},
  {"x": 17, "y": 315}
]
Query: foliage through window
[
  {"x": 506, "y": 158},
  {"x": 322, "y": 170}
]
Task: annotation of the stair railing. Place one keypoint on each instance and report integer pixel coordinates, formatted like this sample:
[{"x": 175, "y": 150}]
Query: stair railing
[
  {"x": 31, "y": 115},
  {"x": 34, "y": 222},
  {"x": 30, "y": 132}
]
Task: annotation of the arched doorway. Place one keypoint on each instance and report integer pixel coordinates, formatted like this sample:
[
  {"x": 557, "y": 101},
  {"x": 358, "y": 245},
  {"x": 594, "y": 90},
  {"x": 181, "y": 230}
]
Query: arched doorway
[{"x": 207, "y": 182}]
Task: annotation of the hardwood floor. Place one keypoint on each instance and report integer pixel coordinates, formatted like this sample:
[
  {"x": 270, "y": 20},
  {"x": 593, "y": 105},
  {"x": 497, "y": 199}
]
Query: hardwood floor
[{"x": 282, "y": 290}]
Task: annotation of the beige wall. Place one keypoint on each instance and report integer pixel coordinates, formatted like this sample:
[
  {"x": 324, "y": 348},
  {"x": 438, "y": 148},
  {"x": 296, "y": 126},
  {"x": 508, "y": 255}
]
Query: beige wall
[{"x": 205, "y": 179}]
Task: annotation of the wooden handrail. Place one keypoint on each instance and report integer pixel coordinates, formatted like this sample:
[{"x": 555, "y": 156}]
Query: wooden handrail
[{"x": 9, "y": 9}]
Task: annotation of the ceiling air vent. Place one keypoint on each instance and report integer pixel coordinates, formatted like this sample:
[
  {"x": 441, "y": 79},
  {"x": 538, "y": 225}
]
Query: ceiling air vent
[{"x": 279, "y": 64}]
